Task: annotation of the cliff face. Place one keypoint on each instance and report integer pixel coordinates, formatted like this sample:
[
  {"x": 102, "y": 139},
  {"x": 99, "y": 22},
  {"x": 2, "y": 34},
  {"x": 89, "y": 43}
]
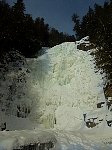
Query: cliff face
[{"x": 14, "y": 85}]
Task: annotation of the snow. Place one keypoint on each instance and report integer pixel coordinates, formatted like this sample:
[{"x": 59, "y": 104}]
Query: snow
[
  {"x": 15, "y": 123},
  {"x": 84, "y": 40},
  {"x": 16, "y": 139},
  {"x": 62, "y": 90},
  {"x": 61, "y": 140}
]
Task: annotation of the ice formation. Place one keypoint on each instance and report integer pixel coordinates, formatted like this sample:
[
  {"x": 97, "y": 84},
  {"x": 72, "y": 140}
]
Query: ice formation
[
  {"x": 65, "y": 94},
  {"x": 67, "y": 86}
]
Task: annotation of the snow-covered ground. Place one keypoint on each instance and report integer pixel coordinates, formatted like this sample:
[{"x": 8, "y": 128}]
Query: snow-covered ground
[
  {"x": 67, "y": 105},
  {"x": 61, "y": 140}
]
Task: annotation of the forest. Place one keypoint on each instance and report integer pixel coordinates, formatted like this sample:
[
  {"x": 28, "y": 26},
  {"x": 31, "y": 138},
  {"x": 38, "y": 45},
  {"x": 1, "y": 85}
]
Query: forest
[
  {"x": 97, "y": 24},
  {"x": 20, "y": 32}
]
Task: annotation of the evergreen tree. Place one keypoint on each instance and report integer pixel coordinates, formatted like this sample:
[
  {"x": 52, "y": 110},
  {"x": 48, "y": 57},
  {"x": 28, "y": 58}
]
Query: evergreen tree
[
  {"x": 18, "y": 31},
  {"x": 56, "y": 37},
  {"x": 42, "y": 31},
  {"x": 77, "y": 26},
  {"x": 5, "y": 24},
  {"x": 23, "y": 28}
]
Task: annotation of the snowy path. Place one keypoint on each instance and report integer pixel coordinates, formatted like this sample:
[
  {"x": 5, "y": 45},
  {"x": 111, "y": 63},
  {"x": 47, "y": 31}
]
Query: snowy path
[{"x": 61, "y": 140}]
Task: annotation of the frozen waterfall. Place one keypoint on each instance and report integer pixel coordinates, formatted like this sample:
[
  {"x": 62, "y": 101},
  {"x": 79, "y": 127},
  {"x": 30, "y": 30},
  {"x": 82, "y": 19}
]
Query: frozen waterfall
[
  {"x": 67, "y": 87},
  {"x": 56, "y": 101}
]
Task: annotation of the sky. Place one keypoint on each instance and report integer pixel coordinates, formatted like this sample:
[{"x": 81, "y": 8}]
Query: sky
[{"x": 58, "y": 13}]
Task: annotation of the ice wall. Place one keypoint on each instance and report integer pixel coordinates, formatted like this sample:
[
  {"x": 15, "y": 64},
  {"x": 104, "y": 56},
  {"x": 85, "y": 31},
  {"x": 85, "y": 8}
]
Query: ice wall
[{"x": 67, "y": 86}]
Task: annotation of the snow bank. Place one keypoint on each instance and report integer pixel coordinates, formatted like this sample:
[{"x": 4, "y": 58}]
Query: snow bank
[
  {"x": 56, "y": 140},
  {"x": 15, "y": 123},
  {"x": 16, "y": 139}
]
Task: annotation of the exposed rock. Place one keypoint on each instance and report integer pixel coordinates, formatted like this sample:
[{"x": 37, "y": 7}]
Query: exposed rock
[
  {"x": 108, "y": 90},
  {"x": 85, "y": 47},
  {"x": 99, "y": 105},
  {"x": 37, "y": 146}
]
